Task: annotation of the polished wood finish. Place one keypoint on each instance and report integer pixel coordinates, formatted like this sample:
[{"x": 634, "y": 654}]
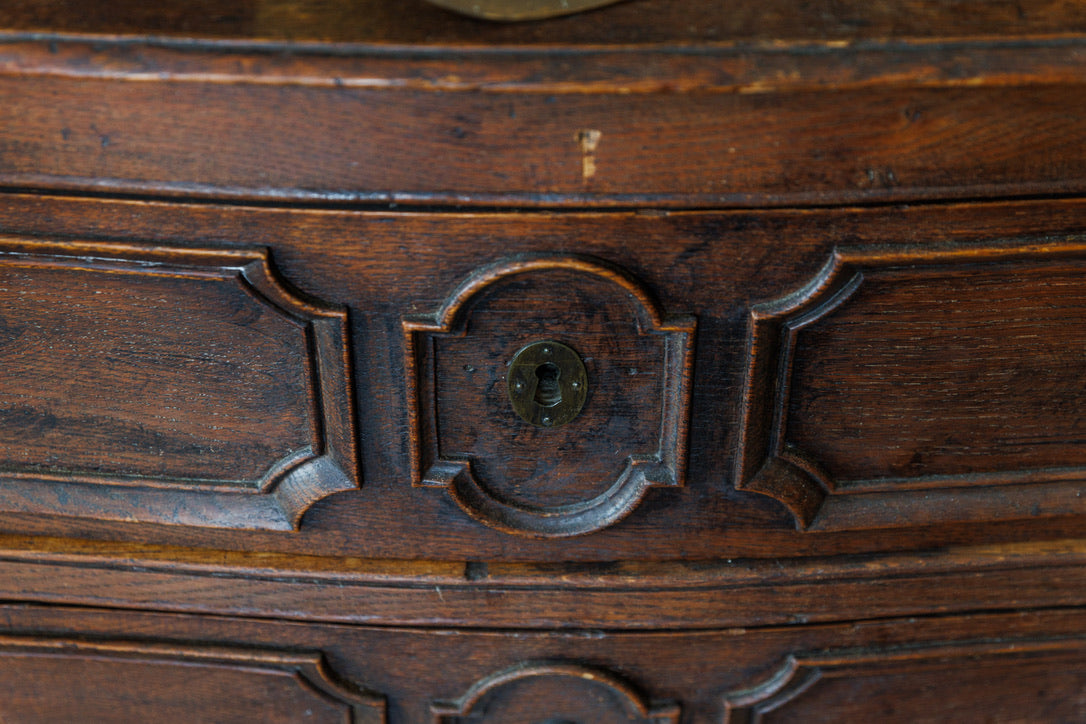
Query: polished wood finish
[
  {"x": 923, "y": 685},
  {"x": 265, "y": 266}
]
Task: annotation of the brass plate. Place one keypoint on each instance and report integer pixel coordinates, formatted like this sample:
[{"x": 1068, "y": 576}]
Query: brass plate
[
  {"x": 510, "y": 10},
  {"x": 547, "y": 384}
]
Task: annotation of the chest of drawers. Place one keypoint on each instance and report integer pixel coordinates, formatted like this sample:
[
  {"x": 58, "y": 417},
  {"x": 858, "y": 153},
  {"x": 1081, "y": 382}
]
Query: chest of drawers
[{"x": 670, "y": 362}]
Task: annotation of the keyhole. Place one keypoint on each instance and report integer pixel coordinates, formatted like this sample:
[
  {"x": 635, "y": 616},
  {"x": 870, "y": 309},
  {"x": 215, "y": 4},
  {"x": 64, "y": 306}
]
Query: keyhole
[
  {"x": 548, "y": 392},
  {"x": 548, "y": 384}
]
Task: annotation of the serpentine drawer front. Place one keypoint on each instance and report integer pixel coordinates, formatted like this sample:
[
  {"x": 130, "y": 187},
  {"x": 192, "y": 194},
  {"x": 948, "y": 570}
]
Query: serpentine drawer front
[
  {"x": 819, "y": 673},
  {"x": 267, "y": 394},
  {"x": 665, "y": 362}
]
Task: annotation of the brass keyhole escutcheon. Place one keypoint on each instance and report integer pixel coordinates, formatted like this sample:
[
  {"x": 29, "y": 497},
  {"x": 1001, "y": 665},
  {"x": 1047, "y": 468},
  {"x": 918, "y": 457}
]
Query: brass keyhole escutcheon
[{"x": 547, "y": 384}]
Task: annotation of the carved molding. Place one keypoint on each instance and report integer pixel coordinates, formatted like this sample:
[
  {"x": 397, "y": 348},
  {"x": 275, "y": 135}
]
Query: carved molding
[
  {"x": 804, "y": 672},
  {"x": 307, "y": 673},
  {"x": 309, "y": 351},
  {"x": 662, "y": 466},
  {"x": 629, "y": 702},
  {"x": 817, "y": 497}
]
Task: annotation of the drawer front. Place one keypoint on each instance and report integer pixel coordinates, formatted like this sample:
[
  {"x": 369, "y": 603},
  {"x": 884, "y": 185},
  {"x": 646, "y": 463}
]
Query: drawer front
[
  {"x": 346, "y": 383},
  {"x": 996, "y": 668}
]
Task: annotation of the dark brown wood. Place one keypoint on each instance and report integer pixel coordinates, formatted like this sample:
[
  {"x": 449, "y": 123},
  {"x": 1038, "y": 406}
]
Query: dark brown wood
[
  {"x": 925, "y": 685},
  {"x": 633, "y": 21},
  {"x": 272, "y": 270},
  {"x": 745, "y": 592},
  {"x": 119, "y": 681},
  {"x": 181, "y": 386},
  {"x": 716, "y": 127},
  {"x": 413, "y": 262},
  {"x": 564, "y": 692},
  {"x": 999, "y": 668},
  {"x": 972, "y": 354},
  {"x": 552, "y": 481}
]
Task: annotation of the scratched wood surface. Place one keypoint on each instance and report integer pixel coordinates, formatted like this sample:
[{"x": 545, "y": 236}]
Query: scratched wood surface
[
  {"x": 384, "y": 266},
  {"x": 699, "y": 594},
  {"x": 822, "y": 262},
  {"x": 78, "y": 342},
  {"x": 1006, "y": 667},
  {"x": 572, "y": 122}
]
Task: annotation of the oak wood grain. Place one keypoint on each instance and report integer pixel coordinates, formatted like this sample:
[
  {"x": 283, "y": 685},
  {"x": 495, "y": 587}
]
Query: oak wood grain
[
  {"x": 668, "y": 127},
  {"x": 955, "y": 338},
  {"x": 185, "y": 387},
  {"x": 691, "y": 595},
  {"x": 694, "y": 672},
  {"x": 254, "y": 253},
  {"x": 121, "y": 681},
  {"x": 383, "y": 266},
  {"x": 933, "y": 685},
  {"x": 548, "y": 479}
]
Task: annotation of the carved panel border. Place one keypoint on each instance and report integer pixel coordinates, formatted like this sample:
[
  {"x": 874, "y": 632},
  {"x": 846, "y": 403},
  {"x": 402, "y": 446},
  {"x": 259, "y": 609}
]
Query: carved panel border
[
  {"x": 766, "y": 463},
  {"x": 804, "y": 671},
  {"x": 307, "y": 670},
  {"x": 664, "y": 466},
  {"x": 327, "y": 464},
  {"x": 633, "y": 703}
]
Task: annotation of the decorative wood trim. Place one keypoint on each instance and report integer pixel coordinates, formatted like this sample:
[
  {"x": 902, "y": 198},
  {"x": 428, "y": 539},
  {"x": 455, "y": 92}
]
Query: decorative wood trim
[
  {"x": 310, "y": 670},
  {"x": 289, "y": 486},
  {"x": 801, "y": 672},
  {"x": 386, "y": 77},
  {"x": 766, "y": 464},
  {"x": 708, "y": 594},
  {"x": 652, "y": 68},
  {"x": 664, "y": 467},
  {"x": 633, "y": 701}
]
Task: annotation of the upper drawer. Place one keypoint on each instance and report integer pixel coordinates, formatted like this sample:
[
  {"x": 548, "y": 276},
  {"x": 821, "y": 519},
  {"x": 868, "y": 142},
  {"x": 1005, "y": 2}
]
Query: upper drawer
[
  {"x": 543, "y": 386},
  {"x": 706, "y": 125}
]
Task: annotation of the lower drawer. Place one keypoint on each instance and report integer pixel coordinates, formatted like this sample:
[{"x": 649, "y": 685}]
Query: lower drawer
[{"x": 64, "y": 665}]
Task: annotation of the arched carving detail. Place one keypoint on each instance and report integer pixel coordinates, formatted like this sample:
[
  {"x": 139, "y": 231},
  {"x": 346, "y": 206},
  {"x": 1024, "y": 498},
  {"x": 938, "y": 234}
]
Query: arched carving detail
[
  {"x": 558, "y": 696},
  {"x": 631, "y": 319}
]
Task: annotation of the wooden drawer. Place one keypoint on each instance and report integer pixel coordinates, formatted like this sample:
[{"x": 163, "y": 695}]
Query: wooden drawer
[
  {"x": 111, "y": 667},
  {"x": 338, "y": 383},
  {"x": 676, "y": 362}
]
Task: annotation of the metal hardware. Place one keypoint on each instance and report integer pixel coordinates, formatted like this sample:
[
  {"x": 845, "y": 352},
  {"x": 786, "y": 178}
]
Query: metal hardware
[
  {"x": 519, "y": 9},
  {"x": 548, "y": 384}
]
